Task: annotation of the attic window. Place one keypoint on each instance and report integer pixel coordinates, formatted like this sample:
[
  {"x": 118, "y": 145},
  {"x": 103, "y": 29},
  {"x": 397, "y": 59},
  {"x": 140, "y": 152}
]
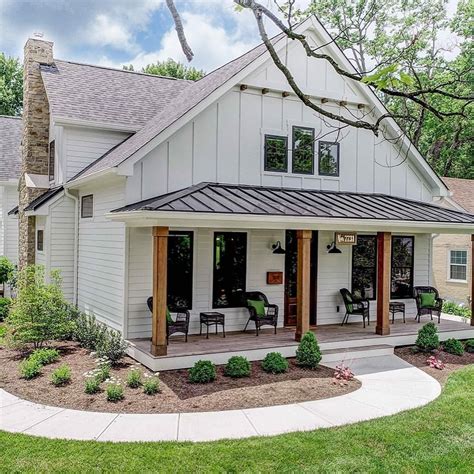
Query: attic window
[
  {"x": 51, "y": 161},
  {"x": 87, "y": 206}
]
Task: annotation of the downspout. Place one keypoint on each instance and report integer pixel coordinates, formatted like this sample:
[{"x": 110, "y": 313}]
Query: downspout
[{"x": 76, "y": 243}]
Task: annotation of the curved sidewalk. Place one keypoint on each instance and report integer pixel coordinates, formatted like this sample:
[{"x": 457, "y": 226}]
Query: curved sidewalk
[{"x": 389, "y": 385}]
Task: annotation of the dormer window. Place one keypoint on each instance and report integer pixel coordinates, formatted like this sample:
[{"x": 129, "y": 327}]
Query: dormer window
[
  {"x": 328, "y": 159},
  {"x": 51, "y": 161},
  {"x": 303, "y": 150}
]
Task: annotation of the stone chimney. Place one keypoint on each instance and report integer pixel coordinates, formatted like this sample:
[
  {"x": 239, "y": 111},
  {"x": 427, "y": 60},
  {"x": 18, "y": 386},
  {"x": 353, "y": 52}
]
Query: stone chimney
[{"x": 35, "y": 142}]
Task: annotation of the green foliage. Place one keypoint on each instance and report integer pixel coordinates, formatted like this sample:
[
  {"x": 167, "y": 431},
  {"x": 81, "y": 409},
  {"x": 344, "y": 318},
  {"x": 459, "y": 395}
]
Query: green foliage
[
  {"x": 5, "y": 304},
  {"x": 45, "y": 356},
  {"x": 88, "y": 332},
  {"x": 274, "y": 363},
  {"x": 61, "y": 376},
  {"x": 171, "y": 68},
  {"x": 6, "y": 267},
  {"x": 102, "y": 372},
  {"x": 453, "y": 346},
  {"x": 450, "y": 307},
  {"x": 92, "y": 386},
  {"x": 308, "y": 353},
  {"x": 30, "y": 368},
  {"x": 134, "y": 378},
  {"x": 151, "y": 385},
  {"x": 112, "y": 346},
  {"x": 237, "y": 366},
  {"x": 3, "y": 332},
  {"x": 114, "y": 392},
  {"x": 427, "y": 339},
  {"x": 11, "y": 85},
  {"x": 203, "y": 371},
  {"x": 469, "y": 346},
  {"x": 40, "y": 313}
]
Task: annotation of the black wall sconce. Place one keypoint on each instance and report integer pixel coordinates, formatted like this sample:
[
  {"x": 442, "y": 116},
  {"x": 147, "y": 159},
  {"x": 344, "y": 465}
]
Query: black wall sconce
[
  {"x": 332, "y": 248},
  {"x": 277, "y": 248}
]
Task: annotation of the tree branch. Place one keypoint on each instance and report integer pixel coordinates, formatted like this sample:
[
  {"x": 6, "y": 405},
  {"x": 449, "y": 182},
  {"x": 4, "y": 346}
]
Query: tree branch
[{"x": 180, "y": 30}]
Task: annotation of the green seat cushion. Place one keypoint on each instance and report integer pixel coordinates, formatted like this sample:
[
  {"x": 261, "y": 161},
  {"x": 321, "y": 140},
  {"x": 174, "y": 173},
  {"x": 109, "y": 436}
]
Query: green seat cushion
[
  {"x": 427, "y": 300},
  {"x": 169, "y": 319},
  {"x": 259, "y": 306}
]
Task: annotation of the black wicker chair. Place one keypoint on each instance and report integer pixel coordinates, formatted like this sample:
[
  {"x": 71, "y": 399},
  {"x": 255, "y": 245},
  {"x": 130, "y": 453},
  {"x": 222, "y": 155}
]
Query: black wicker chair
[
  {"x": 355, "y": 305},
  {"x": 436, "y": 308},
  {"x": 271, "y": 314},
  {"x": 179, "y": 325}
]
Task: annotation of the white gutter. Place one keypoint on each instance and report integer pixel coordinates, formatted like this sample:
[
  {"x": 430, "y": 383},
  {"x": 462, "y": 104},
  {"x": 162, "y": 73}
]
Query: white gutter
[
  {"x": 81, "y": 181},
  {"x": 76, "y": 243}
]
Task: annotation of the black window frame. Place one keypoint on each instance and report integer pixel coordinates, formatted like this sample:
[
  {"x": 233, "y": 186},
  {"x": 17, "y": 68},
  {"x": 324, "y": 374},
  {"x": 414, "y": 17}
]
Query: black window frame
[
  {"x": 294, "y": 128},
  {"x": 172, "y": 305},
  {"x": 83, "y": 215},
  {"x": 374, "y": 267},
  {"x": 239, "y": 302},
  {"x": 274, "y": 170},
  {"x": 409, "y": 295},
  {"x": 40, "y": 241},
  {"x": 338, "y": 158},
  {"x": 51, "y": 160}
]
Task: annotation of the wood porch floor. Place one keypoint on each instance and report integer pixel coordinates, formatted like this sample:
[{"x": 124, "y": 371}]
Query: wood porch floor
[{"x": 329, "y": 336}]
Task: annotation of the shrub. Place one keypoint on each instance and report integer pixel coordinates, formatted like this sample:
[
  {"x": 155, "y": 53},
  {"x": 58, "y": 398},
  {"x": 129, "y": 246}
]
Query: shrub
[
  {"x": 114, "y": 392},
  {"x": 274, "y": 363},
  {"x": 134, "y": 378},
  {"x": 203, "y": 371},
  {"x": 342, "y": 374},
  {"x": 5, "y": 304},
  {"x": 427, "y": 339},
  {"x": 88, "y": 332},
  {"x": 30, "y": 368},
  {"x": 435, "y": 363},
  {"x": 6, "y": 270},
  {"x": 151, "y": 384},
  {"x": 308, "y": 353},
  {"x": 237, "y": 367},
  {"x": 45, "y": 356},
  {"x": 469, "y": 346},
  {"x": 112, "y": 346},
  {"x": 92, "y": 386},
  {"x": 102, "y": 372},
  {"x": 450, "y": 307},
  {"x": 40, "y": 312},
  {"x": 61, "y": 375},
  {"x": 453, "y": 346}
]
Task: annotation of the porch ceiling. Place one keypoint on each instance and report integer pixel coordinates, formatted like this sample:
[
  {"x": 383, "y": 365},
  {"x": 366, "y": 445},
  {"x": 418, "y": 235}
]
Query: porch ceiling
[{"x": 231, "y": 203}]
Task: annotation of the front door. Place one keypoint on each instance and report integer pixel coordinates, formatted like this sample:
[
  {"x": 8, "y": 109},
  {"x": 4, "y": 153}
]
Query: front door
[{"x": 291, "y": 259}]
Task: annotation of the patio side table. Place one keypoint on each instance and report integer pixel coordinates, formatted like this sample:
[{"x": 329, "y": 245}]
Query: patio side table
[
  {"x": 397, "y": 307},
  {"x": 211, "y": 318}
]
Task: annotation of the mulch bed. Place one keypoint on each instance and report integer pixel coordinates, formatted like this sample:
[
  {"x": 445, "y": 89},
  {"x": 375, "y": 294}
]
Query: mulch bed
[
  {"x": 418, "y": 359},
  {"x": 177, "y": 394}
]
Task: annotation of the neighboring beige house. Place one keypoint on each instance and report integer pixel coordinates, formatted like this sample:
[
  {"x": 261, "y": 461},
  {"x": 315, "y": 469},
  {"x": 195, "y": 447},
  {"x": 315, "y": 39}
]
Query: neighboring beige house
[{"x": 452, "y": 253}]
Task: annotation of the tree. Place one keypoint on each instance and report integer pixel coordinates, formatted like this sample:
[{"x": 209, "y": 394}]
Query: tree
[
  {"x": 170, "y": 68},
  {"x": 11, "y": 86}
]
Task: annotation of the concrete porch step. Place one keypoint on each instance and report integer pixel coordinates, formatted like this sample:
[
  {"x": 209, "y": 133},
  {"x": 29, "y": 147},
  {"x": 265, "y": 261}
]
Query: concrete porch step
[{"x": 351, "y": 353}]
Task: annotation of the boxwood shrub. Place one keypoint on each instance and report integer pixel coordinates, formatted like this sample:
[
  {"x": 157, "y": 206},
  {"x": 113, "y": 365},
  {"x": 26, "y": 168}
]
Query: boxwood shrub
[
  {"x": 274, "y": 363},
  {"x": 453, "y": 346},
  {"x": 469, "y": 345},
  {"x": 237, "y": 367},
  {"x": 427, "y": 339},
  {"x": 308, "y": 353},
  {"x": 203, "y": 371}
]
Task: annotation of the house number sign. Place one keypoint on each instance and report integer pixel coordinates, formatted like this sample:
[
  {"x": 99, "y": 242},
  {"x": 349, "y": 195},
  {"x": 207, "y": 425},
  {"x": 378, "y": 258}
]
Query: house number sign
[{"x": 346, "y": 238}]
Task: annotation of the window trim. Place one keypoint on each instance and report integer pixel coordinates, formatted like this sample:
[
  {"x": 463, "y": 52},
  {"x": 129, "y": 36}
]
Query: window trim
[
  {"x": 321, "y": 142},
  {"x": 376, "y": 265},
  {"x": 214, "y": 265},
  {"x": 305, "y": 173},
  {"x": 41, "y": 250},
  {"x": 456, "y": 280},
  {"x": 271, "y": 170},
  {"x": 412, "y": 273},
  {"x": 82, "y": 206}
]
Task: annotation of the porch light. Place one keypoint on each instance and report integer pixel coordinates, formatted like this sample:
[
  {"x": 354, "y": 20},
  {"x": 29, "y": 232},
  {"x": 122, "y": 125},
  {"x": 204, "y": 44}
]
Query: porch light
[
  {"x": 333, "y": 249},
  {"x": 277, "y": 249}
]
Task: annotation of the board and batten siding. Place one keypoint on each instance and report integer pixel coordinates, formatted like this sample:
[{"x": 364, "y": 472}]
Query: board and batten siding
[
  {"x": 81, "y": 146},
  {"x": 101, "y": 257},
  {"x": 260, "y": 259}
]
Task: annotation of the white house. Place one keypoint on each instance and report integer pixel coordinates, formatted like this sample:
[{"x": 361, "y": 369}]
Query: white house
[{"x": 183, "y": 190}]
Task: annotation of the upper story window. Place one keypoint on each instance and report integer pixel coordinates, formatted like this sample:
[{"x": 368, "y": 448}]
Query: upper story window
[
  {"x": 328, "y": 162},
  {"x": 303, "y": 150},
  {"x": 87, "y": 206},
  {"x": 458, "y": 265},
  {"x": 364, "y": 266},
  {"x": 276, "y": 153},
  {"x": 40, "y": 240},
  {"x": 51, "y": 160},
  {"x": 402, "y": 266}
]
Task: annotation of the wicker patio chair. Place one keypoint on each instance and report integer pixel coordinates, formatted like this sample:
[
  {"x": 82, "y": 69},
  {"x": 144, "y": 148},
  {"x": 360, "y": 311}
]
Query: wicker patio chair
[
  {"x": 178, "y": 325},
  {"x": 423, "y": 309},
  {"x": 271, "y": 311},
  {"x": 353, "y": 305}
]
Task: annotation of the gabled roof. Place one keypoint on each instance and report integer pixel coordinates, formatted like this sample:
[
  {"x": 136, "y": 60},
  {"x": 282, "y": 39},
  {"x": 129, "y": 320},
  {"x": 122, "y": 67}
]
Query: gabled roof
[
  {"x": 217, "y": 198},
  {"x": 104, "y": 95},
  {"x": 187, "y": 100},
  {"x": 43, "y": 198},
  {"x": 11, "y": 129},
  {"x": 463, "y": 192}
]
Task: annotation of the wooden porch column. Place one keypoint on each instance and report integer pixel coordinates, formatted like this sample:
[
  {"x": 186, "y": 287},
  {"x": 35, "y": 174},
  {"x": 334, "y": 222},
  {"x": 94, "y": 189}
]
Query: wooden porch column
[
  {"x": 160, "y": 291},
  {"x": 384, "y": 252},
  {"x": 303, "y": 280},
  {"x": 472, "y": 280}
]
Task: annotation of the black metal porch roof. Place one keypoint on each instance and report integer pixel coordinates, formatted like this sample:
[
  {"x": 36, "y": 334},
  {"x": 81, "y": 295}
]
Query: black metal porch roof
[
  {"x": 216, "y": 198},
  {"x": 43, "y": 198}
]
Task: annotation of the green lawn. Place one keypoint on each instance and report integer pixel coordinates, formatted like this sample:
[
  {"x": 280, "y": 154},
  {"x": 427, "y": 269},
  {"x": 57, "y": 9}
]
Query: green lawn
[{"x": 436, "y": 438}]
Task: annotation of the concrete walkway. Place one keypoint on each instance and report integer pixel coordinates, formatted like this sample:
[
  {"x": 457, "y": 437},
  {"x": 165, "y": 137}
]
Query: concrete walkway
[{"x": 389, "y": 385}]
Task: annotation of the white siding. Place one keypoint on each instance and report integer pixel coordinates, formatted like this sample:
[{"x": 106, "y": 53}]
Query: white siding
[
  {"x": 101, "y": 260},
  {"x": 41, "y": 256},
  {"x": 8, "y": 224},
  {"x": 82, "y": 146}
]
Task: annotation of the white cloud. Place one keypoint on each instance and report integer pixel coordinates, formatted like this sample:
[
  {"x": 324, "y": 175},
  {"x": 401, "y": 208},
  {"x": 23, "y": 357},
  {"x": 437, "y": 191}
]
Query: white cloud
[{"x": 106, "y": 31}]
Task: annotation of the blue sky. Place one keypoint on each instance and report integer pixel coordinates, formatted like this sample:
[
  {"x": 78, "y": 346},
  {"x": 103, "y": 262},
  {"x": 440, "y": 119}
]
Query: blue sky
[{"x": 138, "y": 32}]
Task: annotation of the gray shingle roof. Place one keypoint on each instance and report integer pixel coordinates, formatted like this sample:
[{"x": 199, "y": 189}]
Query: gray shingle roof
[
  {"x": 187, "y": 100},
  {"x": 10, "y": 147},
  {"x": 99, "y": 94},
  {"x": 259, "y": 200}
]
